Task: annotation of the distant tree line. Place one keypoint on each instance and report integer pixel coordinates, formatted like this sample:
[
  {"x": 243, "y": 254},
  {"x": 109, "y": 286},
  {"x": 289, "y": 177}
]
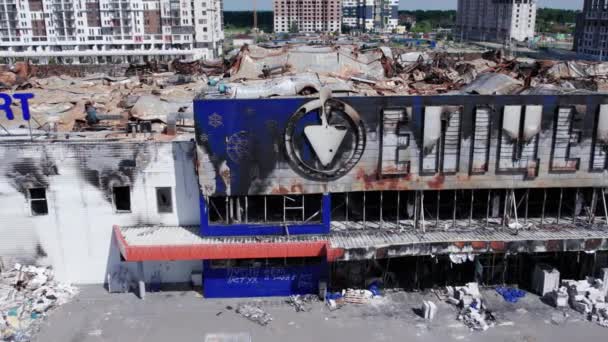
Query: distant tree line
[
  {"x": 244, "y": 20},
  {"x": 551, "y": 20}
]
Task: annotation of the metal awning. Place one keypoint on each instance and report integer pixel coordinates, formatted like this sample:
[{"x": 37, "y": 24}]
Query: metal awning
[{"x": 161, "y": 243}]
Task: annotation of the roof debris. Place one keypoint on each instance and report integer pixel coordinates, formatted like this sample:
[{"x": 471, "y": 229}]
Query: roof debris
[{"x": 155, "y": 92}]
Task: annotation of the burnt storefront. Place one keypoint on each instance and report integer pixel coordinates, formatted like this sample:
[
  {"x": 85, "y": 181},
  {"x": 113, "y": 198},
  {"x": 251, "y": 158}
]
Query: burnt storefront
[{"x": 288, "y": 185}]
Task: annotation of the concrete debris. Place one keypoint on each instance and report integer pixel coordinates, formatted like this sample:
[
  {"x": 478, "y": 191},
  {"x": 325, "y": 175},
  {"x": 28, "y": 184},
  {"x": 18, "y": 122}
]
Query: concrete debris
[
  {"x": 476, "y": 319},
  {"x": 473, "y": 312},
  {"x": 254, "y": 314},
  {"x": 588, "y": 298},
  {"x": 558, "y": 298},
  {"x": 302, "y": 303},
  {"x": 27, "y": 294},
  {"x": 429, "y": 310}
]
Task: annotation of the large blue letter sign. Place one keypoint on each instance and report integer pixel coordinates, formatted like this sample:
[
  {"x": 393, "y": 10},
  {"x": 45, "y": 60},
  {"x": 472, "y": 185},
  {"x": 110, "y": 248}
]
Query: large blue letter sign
[{"x": 7, "y": 100}]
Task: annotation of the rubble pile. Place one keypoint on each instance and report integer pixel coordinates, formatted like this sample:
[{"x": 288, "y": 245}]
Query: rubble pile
[
  {"x": 27, "y": 294},
  {"x": 62, "y": 104},
  {"x": 15, "y": 76},
  {"x": 473, "y": 312},
  {"x": 382, "y": 70},
  {"x": 70, "y": 99},
  {"x": 302, "y": 303},
  {"x": 588, "y": 297},
  {"x": 254, "y": 314}
]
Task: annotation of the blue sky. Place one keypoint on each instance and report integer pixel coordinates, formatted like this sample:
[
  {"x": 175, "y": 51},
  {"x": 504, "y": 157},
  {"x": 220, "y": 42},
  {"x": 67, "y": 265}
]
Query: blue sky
[{"x": 405, "y": 4}]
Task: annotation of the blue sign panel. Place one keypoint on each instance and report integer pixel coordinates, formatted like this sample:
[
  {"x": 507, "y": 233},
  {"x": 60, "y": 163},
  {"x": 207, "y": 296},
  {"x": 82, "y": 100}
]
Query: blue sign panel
[
  {"x": 7, "y": 101},
  {"x": 262, "y": 281}
]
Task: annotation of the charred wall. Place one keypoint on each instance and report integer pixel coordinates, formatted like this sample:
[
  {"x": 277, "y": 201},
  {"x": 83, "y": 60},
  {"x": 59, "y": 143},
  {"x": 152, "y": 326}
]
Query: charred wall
[
  {"x": 253, "y": 147},
  {"x": 77, "y": 178}
]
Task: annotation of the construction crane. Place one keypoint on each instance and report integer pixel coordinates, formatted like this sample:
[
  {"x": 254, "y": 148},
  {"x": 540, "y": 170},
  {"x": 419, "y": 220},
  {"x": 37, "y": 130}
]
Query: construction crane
[{"x": 255, "y": 17}]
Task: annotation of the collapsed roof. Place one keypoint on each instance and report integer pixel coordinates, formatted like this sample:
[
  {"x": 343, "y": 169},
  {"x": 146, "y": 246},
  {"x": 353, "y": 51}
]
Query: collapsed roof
[
  {"x": 257, "y": 72},
  {"x": 163, "y": 93}
]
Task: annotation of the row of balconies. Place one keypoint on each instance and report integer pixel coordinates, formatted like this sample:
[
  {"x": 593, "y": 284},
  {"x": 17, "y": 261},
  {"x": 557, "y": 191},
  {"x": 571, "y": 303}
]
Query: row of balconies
[
  {"x": 594, "y": 15},
  {"x": 72, "y": 37}
]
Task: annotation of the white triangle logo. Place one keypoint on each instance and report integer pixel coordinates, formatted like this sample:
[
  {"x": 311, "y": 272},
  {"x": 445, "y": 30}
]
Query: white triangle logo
[{"x": 325, "y": 141}]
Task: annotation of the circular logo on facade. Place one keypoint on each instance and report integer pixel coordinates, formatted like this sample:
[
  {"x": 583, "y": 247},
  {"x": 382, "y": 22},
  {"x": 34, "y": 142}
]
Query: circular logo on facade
[{"x": 324, "y": 141}]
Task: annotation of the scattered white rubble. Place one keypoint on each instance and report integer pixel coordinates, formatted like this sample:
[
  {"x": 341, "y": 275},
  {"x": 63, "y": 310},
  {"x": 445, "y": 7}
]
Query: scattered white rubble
[
  {"x": 302, "y": 303},
  {"x": 473, "y": 312},
  {"x": 27, "y": 293},
  {"x": 588, "y": 297},
  {"x": 254, "y": 313}
]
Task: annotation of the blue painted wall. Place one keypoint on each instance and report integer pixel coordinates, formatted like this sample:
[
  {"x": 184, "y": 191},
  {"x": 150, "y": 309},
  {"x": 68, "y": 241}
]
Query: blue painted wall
[
  {"x": 262, "y": 281},
  {"x": 262, "y": 124}
]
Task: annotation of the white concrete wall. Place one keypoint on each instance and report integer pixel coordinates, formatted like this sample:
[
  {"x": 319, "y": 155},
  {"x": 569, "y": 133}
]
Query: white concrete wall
[
  {"x": 523, "y": 24},
  {"x": 76, "y": 235}
]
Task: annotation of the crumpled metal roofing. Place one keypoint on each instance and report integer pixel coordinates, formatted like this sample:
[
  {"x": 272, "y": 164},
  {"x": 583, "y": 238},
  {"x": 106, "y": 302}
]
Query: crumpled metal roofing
[
  {"x": 286, "y": 86},
  {"x": 492, "y": 84},
  {"x": 341, "y": 61}
]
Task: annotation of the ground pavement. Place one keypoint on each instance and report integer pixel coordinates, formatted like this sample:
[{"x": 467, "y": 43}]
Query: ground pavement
[{"x": 95, "y": 315}]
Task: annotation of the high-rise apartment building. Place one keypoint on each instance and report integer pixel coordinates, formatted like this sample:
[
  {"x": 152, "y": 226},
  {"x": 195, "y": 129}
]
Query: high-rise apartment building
[
  {"x": 92, "y": 31},
  {"x": 591, "y": 38},
  {"x": 496, "y": 20},
  {"x": 307, "y": 15},
  {"x": 371, "y": 15}
]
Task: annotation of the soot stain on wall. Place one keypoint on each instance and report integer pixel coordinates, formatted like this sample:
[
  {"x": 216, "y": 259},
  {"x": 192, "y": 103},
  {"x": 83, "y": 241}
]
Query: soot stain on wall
[
  {"x": 27, "y": 173},
  {"x": 115, "y": 165}
]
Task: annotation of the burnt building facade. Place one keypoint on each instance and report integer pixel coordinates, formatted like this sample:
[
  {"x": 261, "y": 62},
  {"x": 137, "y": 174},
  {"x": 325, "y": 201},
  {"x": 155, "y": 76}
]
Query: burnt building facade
[
  {"x": 293, "y": 190},
  {"x": 287, "y": 195}
]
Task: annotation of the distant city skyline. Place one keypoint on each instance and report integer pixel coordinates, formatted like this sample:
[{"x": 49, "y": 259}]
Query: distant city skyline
[{"x": 236, "y": 5}]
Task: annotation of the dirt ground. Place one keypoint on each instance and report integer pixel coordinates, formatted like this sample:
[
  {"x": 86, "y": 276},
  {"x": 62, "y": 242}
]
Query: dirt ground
[{"x": 95, "y": 315}]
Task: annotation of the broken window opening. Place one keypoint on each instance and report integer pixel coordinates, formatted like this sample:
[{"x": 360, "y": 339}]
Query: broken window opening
[
  {"x": 164, "y": 200},
  {"x": 121, "y": 196},
  {"x": 38, "y": 202},
  {"x": 292, "y": 209}
]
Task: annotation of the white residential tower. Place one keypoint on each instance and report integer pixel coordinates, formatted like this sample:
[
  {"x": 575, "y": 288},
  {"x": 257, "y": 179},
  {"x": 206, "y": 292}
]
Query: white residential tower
[
  {"x": 92, "y": 31},
  {"x": 496, "y": 20}
]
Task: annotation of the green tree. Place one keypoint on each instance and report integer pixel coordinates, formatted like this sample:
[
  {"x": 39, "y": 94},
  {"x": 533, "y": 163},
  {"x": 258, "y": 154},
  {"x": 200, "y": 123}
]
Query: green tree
[{"x": 423, "y": 27}]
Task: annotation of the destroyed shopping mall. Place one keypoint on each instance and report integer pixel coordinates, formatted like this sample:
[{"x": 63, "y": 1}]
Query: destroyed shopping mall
[{"x": 300, "y": 169}]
